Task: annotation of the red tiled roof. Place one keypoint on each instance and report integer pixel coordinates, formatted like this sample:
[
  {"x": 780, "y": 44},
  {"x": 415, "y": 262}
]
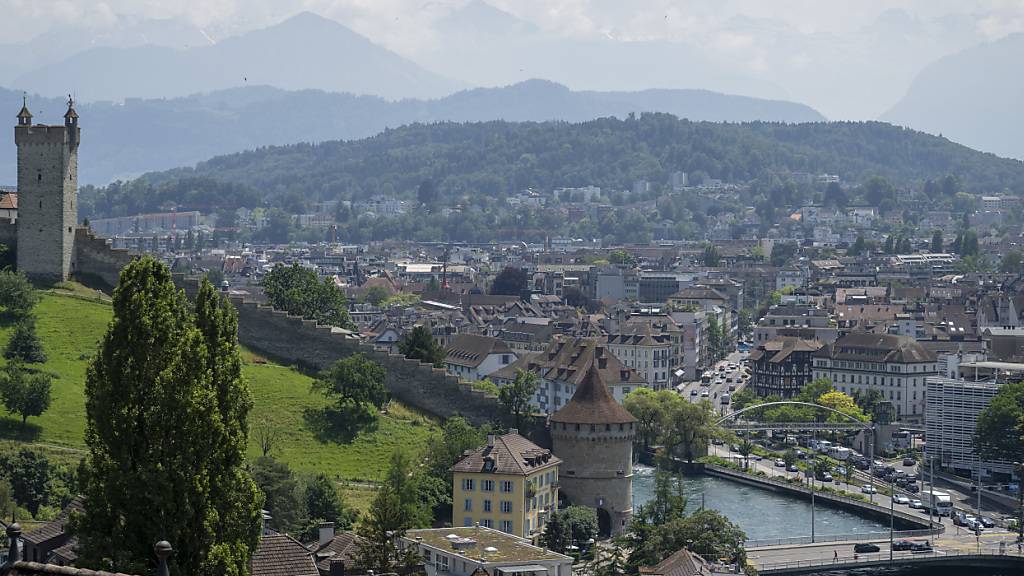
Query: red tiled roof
[
  {"x": 592, "y": 404},
  {"x": 282, "y": 555}
]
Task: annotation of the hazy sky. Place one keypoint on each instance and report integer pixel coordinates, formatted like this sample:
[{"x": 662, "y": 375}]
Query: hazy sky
[{"x": 817, "y": 51}]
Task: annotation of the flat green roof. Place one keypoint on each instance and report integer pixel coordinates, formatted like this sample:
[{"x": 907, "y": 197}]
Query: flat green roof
[{"x": 509, "y": 548}]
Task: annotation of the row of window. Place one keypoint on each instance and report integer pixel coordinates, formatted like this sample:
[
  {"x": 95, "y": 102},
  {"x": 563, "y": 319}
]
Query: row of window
[
  {"x": 505, "y": 526},
  {"x": 469, "y": 484},
  {"x": 506, "y": 506}
]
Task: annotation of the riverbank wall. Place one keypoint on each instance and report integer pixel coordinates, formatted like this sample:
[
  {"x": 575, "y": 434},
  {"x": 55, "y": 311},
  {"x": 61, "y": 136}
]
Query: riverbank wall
[{"x": 901, "y": 520}]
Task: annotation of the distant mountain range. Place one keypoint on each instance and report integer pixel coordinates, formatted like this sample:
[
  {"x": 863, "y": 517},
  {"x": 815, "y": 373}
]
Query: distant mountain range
[
  {"x": 305, "y": 51},
  {"x": 120, "y": 141},
  {"x": 973, "y": 97}
]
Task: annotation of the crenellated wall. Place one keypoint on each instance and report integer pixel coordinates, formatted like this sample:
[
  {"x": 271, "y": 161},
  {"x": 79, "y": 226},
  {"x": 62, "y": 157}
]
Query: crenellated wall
[
  {"x": 302, "y": 343},
  {"x": 94, "y": 259}
]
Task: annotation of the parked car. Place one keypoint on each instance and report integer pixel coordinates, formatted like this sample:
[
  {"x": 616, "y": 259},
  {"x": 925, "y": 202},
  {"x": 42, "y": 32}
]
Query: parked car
[
  {"x": 901, "y": 545},
  {"x": 901, "y": 499},
  {"x": 865, "y": 548},
  {"x": 972, "y": 523},
  {"x": 959, "y": 518},
  {"x": 717, "y": 441},
  {"x": 912, "y": 487},
  {"x": 909, "y": 461},
  {"x": 792, "y": 468},
  {"x": 916, "y": 504},
  {"x": 841, "y": 470},
  {"x": 780, "y": 463},
  {"x": 868, "y": 489},
  {"x": 987, "y": 522}
]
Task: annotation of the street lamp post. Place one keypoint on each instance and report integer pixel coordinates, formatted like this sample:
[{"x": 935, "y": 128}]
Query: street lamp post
[
  {"x": 871, "y": 465},
  {"x": 892, "y": 492},
  {"x": 1020, "y": 500},
  {"x": 812, "y": 510},
  {"x": 931, "y": 489}
]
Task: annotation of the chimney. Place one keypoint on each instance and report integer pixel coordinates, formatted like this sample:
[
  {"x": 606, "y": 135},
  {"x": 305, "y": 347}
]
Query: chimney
[
  {"x": 490, "y": 440},
  {"x": 337, "y": 567},
  {"x": 326, "y": 533}
]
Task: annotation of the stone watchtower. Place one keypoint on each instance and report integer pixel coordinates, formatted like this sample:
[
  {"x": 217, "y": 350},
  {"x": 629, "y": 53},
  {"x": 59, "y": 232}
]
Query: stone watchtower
[
  {"x": 47, "y": 195},
  {"x": 593, "y": 435}
]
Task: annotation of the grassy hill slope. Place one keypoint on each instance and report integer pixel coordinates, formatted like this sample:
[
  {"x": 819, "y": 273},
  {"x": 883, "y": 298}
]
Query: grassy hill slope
[{"x": 71, "y": 328}]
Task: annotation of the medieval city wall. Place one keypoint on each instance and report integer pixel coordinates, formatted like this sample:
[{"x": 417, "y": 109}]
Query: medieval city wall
[
  {"x": 9, "y": 235},
  {"x": 302, "y": 343},
  {"x": 96, "y": 260}
]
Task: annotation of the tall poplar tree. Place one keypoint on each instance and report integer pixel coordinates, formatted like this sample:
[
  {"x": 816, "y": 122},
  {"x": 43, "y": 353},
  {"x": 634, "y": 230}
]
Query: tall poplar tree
[{"x": 167, "y": 427}]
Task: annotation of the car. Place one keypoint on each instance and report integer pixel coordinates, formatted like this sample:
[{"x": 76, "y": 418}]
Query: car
[
  {"x": 801, "y": 454},
  {"x": 925, "y": 546},
  {"x": 792, "y": 468},
  {"x": 865, "y": 548},
  {"x": 912, "y": 487},
  {"x": 717, "y": 441},
  {"x": 755, "y": 457},
  {"x": 841, "y": 470},
  {"x": 916, "y": 504},
  {"x": 868, "y": 489},
  {"x": 909, "y": 461},
  {"x": 987, "y": 522},
  {"x": 732, "y": 387},
  {"x": 901, "y": 545},
  {"x": 901, "y": 499},
  {"x": 693, "y": 392},
  {"x": 780, "y": 463},
  {"x": 826, "y": 477},
  {"x": 704, "y": 394}
]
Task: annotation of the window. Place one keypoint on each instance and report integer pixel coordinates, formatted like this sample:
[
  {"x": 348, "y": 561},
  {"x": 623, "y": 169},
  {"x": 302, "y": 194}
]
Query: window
[
  {"x": 467, "y": 484},
  {"x": 507, "y": 486},
  {"x": 487, "y": 505},
  {"x": 506, "y": 526},
  {"x": 506, "y": 506},
  {"x": 467, "y": 521},
  {"x": 487, "y": 485},
  {"x": 487, "y": 523},
  {"x": 468, "y": 506}
]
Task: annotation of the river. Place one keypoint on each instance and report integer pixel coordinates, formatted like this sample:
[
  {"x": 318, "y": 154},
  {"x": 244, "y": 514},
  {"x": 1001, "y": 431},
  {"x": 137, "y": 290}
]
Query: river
[{"x": 762, "y": 514}]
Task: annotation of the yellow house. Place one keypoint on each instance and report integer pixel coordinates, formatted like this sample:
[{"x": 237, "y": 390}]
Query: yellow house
[{"x": 511, "y": 484}]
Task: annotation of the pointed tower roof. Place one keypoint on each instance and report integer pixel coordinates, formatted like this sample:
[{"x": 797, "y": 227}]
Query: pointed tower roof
[
  {"x": 592, "y": 404},
  {"x": 71, "y": 109},
  {"x": 24, "y": 114}
]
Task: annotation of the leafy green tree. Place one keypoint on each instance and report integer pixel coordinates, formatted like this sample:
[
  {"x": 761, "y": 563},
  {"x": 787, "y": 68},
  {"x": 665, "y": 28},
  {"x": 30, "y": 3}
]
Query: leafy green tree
[
  {"x": 282, "y": 493},
  {"x": 298, "y": 291},
  {"x": 868, "y": 399},
  {"x": 395, "y": 509},
  {"x": 30, "y": 474},
  {"x": 323, "y": 502},
  {"x": 688, "y": 428},
  {"x": 858, "y": 247},
  {"x": 25, "y": 393},
  {"x": 789, "y": 457},
  {"x": 419, "y": 343},
  {"x": 843, "y": 403},
  {"x": 17, "y": 298},
  {"x": 355, "y": 382},
  {"x": 746, "y": 448},
  {"x": 937, "y": 242},
  {"x": 376, "y": 295},
  {"x": 669, "y": 502},
  {"x": 166, "y": 428},
  {"x": 813, "y": 390},
  {"x": 24, "y": 345},
  {"x": 999, "y": 434},
  {"x": 710, "y": 258},
  {"x": 426, "y": 193},
  {"x": 277, "y": 230},
  {"x": 581, "y": 522},
  {"x": 1011, "y": 262},
  {"x": 821, "y": 466},
  {"x": 457, "y": 436},
  {"x": 743, "y": 399},
  {"x": 969, "y": 244},
  {"x": 557, "y": 535},
  {"x": 646, "y": 406},
  {"x": 515, "y": 397},
  {"x": 621, "y": 258},
  {"x": 511, "y": 281}
]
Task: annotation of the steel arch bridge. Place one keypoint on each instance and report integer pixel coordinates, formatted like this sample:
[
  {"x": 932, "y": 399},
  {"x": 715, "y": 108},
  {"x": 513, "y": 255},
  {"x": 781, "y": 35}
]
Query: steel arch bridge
[{"x": 730, "y": 421}]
